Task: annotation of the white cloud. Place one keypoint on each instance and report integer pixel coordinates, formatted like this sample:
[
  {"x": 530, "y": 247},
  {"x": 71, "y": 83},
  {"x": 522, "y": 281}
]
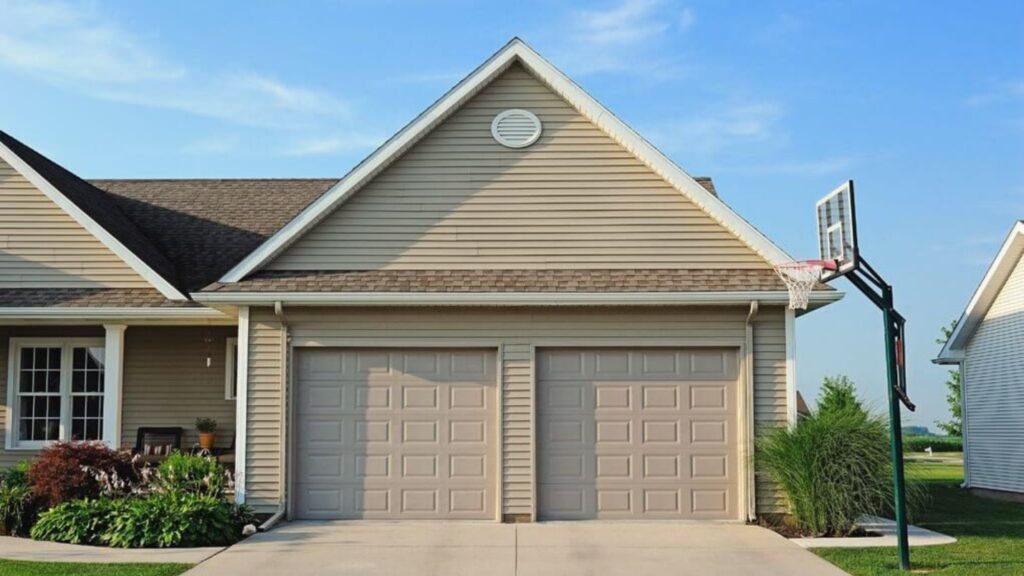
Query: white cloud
[
  {"x": 329, "y": 145},
  {"x": 76, "y": 47},
  {"x": 726, "y": 127},
  {"x": 619, "y": 38}
]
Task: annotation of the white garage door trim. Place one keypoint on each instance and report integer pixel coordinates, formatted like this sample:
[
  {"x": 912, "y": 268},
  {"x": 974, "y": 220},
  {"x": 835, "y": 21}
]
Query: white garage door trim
[
  {"x": 300, "y": 344},
  {"x": 744, "y": 402}
]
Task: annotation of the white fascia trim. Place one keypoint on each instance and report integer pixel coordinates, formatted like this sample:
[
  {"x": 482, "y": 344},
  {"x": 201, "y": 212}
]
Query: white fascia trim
[
  {"x": 991, "y": 284},
  {"x": 469, "y": 86},
  {"x": 83, "y": 219},
  {"x": 16, "y": 313},
  {"x": 506, "y": 299}
]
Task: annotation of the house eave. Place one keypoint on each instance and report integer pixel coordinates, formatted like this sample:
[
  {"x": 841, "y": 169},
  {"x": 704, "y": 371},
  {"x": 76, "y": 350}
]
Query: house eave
[
  {"x": 508, "y": 299},
  {"x": 134, "y": 315}
]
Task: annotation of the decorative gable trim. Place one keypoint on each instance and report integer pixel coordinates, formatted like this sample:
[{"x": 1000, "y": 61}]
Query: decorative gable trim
[
  {"x": 514, "y": 51},
  {"x": 991, "y": 285},
  {"x": 85, "y": 221}
]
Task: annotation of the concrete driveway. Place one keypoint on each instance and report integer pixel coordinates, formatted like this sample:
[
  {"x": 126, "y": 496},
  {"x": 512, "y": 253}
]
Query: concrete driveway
[{"x": 556, "y": 549}]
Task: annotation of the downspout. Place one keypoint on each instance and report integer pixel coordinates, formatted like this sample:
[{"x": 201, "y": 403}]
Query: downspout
[
  {"x": 748, "y": 413},
  {"x": 282, "y": 506}
]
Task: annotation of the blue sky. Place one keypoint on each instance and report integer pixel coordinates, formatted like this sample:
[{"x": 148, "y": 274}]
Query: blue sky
[{"x": 922, "y": 103}]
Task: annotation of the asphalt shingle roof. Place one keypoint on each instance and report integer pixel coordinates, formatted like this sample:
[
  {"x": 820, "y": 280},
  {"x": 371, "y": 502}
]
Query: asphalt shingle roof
[{"x": 555, "y": 281}]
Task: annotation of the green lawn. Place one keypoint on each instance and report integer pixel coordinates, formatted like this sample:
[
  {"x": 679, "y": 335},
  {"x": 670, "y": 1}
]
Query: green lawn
[
  {"x": 20, "y": 568},
  {"x": 990, "y": 533}
]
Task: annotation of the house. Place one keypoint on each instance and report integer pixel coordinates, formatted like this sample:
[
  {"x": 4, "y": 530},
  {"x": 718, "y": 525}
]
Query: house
[
  {"x": 516, "y": 308},
  {"x": 987, "y": 344}
]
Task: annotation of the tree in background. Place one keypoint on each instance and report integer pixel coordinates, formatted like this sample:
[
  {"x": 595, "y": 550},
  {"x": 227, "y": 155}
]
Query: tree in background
[
  {"x": 953, "y": 426},
  {"x": 838, "y": 393}
]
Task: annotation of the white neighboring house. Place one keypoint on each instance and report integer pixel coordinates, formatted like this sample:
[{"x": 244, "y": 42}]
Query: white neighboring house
[{"x": 988, "y": 344}]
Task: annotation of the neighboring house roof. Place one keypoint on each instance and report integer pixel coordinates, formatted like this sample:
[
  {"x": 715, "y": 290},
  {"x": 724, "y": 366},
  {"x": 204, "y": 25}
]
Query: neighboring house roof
[
  {"x": 991, "y": 284},
  {"x": 93, "y": 210},
  {"x": 514, "y": 51}
]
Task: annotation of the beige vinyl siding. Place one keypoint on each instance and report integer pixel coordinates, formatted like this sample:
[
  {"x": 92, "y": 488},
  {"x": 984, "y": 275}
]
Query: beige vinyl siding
[
  {"x": 994, "y": 392},
  {"x": 167, "y": 381},
  {"x": 263, "y": 424},
  {"x": 575, "y": 199},
  {"x": 518, "y": 332},
  {"x": 41, "y": 246},
  {"x": 769, "y": 393}
]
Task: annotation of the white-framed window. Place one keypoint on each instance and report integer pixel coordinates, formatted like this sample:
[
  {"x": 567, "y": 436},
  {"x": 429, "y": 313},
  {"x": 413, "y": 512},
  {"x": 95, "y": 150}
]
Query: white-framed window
[
  {"x": 55, "y": 391},
  {"x": 231, "y": 369}
]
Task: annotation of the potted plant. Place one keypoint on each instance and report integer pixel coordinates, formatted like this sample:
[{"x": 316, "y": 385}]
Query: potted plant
[{"x": 207, "y": 428}]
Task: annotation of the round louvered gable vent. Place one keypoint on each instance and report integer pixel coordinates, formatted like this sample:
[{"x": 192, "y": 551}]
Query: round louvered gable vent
[{"x": 516, "y": 128}]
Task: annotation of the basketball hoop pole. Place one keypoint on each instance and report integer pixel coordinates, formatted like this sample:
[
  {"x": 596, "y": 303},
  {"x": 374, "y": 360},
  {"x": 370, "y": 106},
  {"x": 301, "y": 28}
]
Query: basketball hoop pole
[{"x": 881, "y": 295}]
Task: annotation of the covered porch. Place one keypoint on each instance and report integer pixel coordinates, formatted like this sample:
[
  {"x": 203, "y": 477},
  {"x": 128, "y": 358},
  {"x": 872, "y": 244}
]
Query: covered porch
[{"x": 107, "y": 380}]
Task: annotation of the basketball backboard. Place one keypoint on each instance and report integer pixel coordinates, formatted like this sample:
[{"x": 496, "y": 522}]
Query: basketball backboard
[{"x": 837, "y": 230}]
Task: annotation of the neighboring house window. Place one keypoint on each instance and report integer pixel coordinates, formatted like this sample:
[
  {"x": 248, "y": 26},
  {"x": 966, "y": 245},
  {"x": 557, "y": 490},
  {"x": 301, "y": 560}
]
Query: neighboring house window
[
  {"x": 231, "y": 370},
  {"x": 56, "y": 391}
]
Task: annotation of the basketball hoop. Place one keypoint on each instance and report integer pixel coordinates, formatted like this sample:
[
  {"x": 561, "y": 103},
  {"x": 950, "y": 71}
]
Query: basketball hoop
[{"x": 801, "y": 278}]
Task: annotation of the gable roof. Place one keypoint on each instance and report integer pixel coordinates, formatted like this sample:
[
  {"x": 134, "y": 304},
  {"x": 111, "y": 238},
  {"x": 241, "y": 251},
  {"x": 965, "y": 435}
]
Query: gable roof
[
  {"x": 514, "y": 51},
  {"x": 206, "y": 226},
  {"x": 94, "y": 211},
  {"x": 991, "y": 285}
]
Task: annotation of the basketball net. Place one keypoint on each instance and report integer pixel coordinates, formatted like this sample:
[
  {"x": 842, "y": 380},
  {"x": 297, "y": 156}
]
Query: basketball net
[{"x": 801, "y": 278}]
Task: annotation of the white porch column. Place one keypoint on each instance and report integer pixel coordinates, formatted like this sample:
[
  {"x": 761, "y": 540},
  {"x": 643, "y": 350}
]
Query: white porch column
[
  {"x": 242, "y": 403},
  {"x": 113, "y": 371}
]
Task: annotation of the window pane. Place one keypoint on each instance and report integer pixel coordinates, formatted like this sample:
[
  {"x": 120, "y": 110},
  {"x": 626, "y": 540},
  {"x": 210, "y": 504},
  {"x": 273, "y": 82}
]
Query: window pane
[
  {"x": 39, "y": 361},
  {"x": 77, "y": 381},
  {"x": 78, "y": 429},
  {"x": 78, "y": 356},
  {"x": 26, "y": 358},
  {"x": 96, "y": 356},
  {"x": 54, "y": 358},
  {"x": 25, "y": 429},
  {"x": 52, "y": 430},
  {"x": 54, "y": 406},
  {"x": 93, "y": 429},
  {"x": 25, "y": 381},
  {"x": 53, "y": 381}
]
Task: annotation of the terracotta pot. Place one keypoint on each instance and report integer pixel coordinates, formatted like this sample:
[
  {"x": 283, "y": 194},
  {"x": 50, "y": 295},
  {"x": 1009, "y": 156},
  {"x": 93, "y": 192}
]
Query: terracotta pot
[{"x": 206, "y": 440}]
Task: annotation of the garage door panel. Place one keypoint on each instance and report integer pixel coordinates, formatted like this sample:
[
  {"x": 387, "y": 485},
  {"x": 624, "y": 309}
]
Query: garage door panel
[
  {"x": 413, "y": 435},
  {"x": 629, "y": 433}
]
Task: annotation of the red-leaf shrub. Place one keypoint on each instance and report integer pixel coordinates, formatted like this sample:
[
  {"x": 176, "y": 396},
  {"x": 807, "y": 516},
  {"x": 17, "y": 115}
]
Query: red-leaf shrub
[{"x": 68, "y": 471}]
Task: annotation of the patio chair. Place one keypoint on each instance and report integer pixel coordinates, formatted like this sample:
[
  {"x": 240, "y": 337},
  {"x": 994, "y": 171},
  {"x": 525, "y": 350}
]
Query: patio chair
[{"x": 154, "y": 444}]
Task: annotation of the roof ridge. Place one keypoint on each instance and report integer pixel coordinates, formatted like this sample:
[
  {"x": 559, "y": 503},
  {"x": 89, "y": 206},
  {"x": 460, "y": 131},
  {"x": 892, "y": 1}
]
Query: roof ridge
[{"x": 187, "y": 179}]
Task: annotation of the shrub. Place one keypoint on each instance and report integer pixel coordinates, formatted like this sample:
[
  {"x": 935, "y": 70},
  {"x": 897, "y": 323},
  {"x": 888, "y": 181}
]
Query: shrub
[
  {"x": 206, "y": 425},
  {"x": 72, "y": 470},
  {"x": 936, "y": 443},
  {"x": 170, "y": 520},
  {"x": 77, "y": 521},
  {"x": 17, "y": 503},
  {"x": 189, "y": 474},
  {"x": 834, "y": 465}
]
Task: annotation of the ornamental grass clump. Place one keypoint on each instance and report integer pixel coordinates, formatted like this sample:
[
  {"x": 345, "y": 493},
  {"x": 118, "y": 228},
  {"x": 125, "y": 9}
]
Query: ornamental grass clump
[
  {"x": 834, "y": 465},
  {"x": 18, "y": 507},
  {"x": 185, "y": 473}
]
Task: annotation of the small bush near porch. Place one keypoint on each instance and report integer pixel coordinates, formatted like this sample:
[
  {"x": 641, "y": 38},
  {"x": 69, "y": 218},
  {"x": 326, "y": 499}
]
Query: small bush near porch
[{"x": 85, "y": 493}]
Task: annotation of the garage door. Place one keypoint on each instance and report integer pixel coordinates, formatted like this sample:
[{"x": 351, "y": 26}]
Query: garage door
[
  {"x": 396, "y": 434},
  {"x": 637, "y": 434}
]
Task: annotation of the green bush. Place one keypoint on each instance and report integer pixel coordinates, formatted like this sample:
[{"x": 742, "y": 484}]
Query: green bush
[
  {"x": 834, "y": 465},
  {"x": 77, "y": 521},
  {"x": 18, "y": 507},
  {"x": 184, "y": 473},
  {"x": 162, "y": 520},
  {"x": 936, "y": 443},
  {"x": 169, "y": 520}
]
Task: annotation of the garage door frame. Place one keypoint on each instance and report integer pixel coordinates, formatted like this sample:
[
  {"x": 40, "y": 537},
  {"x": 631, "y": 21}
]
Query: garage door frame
[
  {"x": 744, "y": 403},
  {"x": 299, "y": 344}
]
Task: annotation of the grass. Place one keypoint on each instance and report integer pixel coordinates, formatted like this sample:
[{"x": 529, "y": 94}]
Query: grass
[
  {"x": 990, "y": 533},
  {"x": 23, "y": 568}
]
